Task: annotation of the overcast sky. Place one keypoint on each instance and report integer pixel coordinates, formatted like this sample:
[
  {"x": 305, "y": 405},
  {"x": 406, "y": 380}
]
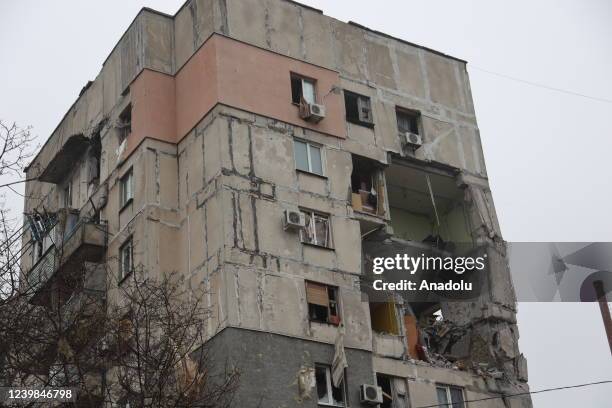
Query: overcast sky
[{"x": 547, "y": 152}]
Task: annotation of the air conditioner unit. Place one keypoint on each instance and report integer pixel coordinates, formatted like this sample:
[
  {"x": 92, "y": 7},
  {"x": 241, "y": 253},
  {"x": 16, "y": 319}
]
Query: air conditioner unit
[
  {"x": 370, "y": 394},
  {"x": 312, "y": 112},
  {"x": 413, "y": 140},
  {"x": 294, "y": 220}
]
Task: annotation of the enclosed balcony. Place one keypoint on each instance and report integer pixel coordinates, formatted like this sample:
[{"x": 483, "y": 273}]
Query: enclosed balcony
[{"x": 65, "y": 249}]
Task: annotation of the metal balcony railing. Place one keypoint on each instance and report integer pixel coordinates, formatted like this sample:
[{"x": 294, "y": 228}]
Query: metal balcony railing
[{"x": 66, "y": 246}]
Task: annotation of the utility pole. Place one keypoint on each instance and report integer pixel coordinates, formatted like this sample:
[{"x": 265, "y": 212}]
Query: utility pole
[{"x": 605, "y": 310}]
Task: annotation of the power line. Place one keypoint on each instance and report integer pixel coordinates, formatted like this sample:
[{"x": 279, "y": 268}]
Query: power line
[
  {"x": 520, "y": 393},
  {"x": 550, "y": 88}
]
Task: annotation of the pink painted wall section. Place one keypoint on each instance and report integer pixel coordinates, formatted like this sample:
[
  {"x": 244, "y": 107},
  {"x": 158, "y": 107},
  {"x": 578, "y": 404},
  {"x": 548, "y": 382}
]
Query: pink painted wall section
[
  {"x": 232, "y": 73},
  {"x": 153, "y": 108},
  {"x": 196, "y": 88},
  {"x": 259, "y": 81}
]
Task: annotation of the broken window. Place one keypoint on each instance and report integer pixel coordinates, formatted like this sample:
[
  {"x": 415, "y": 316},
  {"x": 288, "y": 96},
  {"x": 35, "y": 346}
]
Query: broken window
[
  {"x": 358, "y": 109},
  {"x": 126, "y": 185},
  {"x": 94, "y": 162},
  {"x": 125, "y": 123},
  {"x": 394, "y": 391},
  {"x": 322, "y": 303},
  {"x": 427, "y": 207},
  {"x": 317, "y": 230},
  {"x": 407, "y": 121},
  {"x": 327, "y": 393},
  {"x": 126, "y": 259},
  {"x": 384, "y": 317},
  {"x": 367, "y": 186},
  {"x": 308, "y": 157},
  {"x": 449, "y": 396},
  {"x": 302, "y": 89},
  {"x": 67, "y": 194}
]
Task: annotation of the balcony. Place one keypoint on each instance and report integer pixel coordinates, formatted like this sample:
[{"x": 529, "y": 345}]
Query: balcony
[
  {"x": 368, "y": 195},
  {"x": 70, "y": 243},
  {"x": 57, "y": 166}
]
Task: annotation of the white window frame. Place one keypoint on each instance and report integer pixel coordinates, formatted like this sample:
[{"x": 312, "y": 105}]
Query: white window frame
[
  {"x": 126, "y": 195},
  {"x": 310, "y": 145},
  {"x": 304, "y": 80},
  {"x": 328, "y": 380},
  {"x": 447, "y": 389},
  {"x": 314, "y": 89},
  {"x": 67, "y": 194},
  {"x": 128, "y": 244},
  {"x": 313, "y": 214}
]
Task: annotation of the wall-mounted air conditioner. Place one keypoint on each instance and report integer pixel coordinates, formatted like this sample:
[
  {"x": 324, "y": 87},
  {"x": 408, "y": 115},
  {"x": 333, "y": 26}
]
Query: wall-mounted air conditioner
[
  {"x": 293, "y": 220},
  {"x": 413, "y": 140},
  {"x": 312, "y": 112},
  {"x": 370, "y": 394}
]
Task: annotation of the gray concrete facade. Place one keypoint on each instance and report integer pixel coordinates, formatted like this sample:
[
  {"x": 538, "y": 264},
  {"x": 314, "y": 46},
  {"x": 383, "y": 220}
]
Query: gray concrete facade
[{"x": 208, "y": 204}]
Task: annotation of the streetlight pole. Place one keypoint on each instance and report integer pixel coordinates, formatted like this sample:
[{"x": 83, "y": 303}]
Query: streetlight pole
[{"x": 605, "y": 310}]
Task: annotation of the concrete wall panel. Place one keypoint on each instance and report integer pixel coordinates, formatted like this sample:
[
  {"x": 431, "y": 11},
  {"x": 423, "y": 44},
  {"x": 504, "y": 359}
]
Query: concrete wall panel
[
  {"x": 380, "y": 65},
  {"x": 443, "y": 82},
  {"x": 158, "y": 42},
  {"x": 284, "y": 23},
  {"x": 411, "y": 77},
  {"x": 318, "y": 38},
  {"x": 247, "y": 21}
]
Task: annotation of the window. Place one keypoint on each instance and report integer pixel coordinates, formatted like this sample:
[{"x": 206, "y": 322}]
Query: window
[
  {"x": 302, "y": 89},
  {"x": 449, "y": 396},
  {"x": 125, "y": 123},
  {"x": 327, "y": 394},
  {"x": 127, "y": 188},
  {"x": 384, "y": 318},
  {"x": 317, "y": 230},
  {"x": 322, "y": 303},
  {"x": 407, "y": 121},
  {"x": 308, "y": 157},
  {"x": 126, "y": 259},
  {"x": 394, "y": 391},
  {"x": 94, "y": 160},
  {"x": 366, "y": 186},
  {"x": 67, "y": 195},
  {"x": 358, "y": 109}
]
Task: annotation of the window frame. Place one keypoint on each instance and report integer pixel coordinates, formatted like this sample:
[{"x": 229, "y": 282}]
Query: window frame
[
  {"x": 125, "y": 123},
  {"x": 294, "y": 76},
  {"x": 336, "y": 303},
  {"x": 416, "y": 115},
  {"x": 356, "y": 119},
  {"x": 124, "y": 201},
  {"x": 310, "y": 145},
  {"x": 449, "y": 399},
  {"x": 127, "y": 244},
  {"x": 396, "y": 395},
  {"x": 330, "y": 387},
  {"x": 67, "y": 194},
  {"x": 313, "y": 214}
]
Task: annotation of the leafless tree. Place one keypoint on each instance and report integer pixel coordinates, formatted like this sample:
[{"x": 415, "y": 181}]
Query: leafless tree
[
  {"x": 141, "y": 342},
  {"x": 15, "y": 148},
  {"x": 145, "y": 347},
  {"x": 158, "y": 349}
]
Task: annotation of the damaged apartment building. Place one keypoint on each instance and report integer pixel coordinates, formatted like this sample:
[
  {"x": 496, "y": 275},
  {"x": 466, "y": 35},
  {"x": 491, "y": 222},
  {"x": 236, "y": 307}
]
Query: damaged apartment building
[{"x": 264, "y": 151}]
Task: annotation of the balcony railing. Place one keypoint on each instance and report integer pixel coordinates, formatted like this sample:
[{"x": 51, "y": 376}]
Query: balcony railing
[
  {"x": 72, "y": 242},
  {"x": 42, "y": 271}
]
